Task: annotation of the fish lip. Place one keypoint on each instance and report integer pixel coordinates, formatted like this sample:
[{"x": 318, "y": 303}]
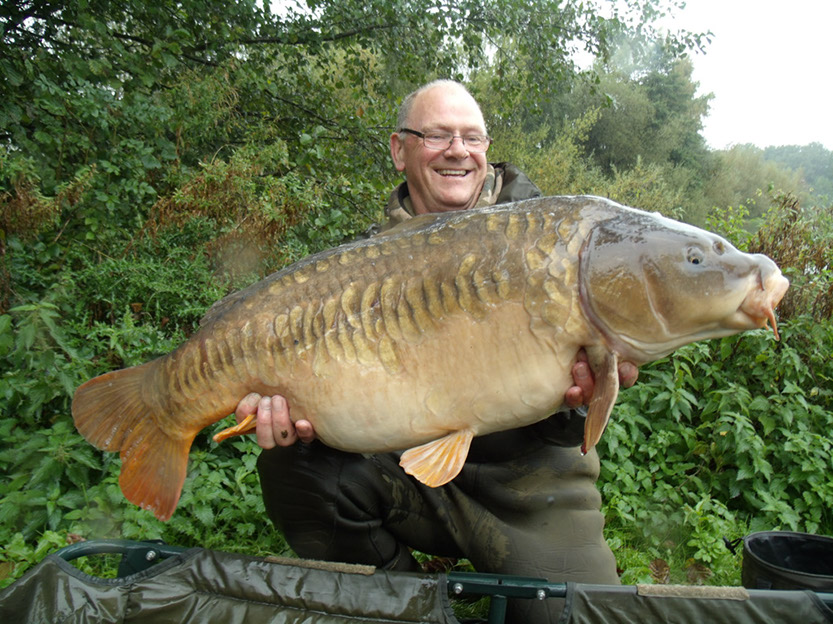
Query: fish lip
[{"x": 759, "y": 305}]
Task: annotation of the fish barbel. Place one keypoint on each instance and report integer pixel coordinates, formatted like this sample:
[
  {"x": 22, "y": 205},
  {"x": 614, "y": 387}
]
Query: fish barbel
[{"x": 444, "y": 328}]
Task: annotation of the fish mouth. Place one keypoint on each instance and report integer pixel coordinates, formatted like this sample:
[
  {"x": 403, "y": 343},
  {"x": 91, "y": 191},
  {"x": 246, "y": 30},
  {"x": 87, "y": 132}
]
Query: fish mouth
[{"x": 759, "y": 305}]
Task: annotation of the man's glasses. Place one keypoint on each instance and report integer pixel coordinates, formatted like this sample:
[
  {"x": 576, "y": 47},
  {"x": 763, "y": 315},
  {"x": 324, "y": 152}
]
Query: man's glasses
[{"x": 443, "y": 140}]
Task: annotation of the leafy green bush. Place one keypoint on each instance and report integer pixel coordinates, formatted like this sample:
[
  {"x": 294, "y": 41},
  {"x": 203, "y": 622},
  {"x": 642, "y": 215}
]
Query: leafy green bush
[
  {"x": 58, "y": 489},
  {"x": 167, "y": 280},
  {"x": 722, "y": 437}
]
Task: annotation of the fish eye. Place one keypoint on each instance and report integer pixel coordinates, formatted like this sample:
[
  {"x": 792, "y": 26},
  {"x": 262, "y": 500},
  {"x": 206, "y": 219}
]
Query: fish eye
[
  {"x": 695, "y": 255},
  {"x": 719, "y": 247}
]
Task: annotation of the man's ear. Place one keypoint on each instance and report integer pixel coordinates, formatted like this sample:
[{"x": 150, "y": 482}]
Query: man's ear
[{"x": 397, "y": 151}]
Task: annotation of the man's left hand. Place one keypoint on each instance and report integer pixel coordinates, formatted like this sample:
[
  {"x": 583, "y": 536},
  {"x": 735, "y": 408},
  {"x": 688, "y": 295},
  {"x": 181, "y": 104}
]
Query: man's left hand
[{"x": 581, "y": 393}]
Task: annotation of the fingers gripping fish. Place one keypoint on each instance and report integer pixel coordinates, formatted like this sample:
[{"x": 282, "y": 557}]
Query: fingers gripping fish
[{"x": 445, "y": 328}]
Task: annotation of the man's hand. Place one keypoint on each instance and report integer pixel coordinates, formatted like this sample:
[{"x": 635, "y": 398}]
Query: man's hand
[
  {"x": 582, "y": 391},
  {"x": 274, "y": 426}
]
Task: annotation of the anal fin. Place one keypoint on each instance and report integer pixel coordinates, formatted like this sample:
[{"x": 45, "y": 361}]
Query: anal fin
[
  {"x": 438, "y": 462},
  {"x": 247, "y": 425}
]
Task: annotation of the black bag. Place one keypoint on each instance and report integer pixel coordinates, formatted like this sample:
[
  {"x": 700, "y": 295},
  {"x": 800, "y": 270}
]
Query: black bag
[{"x": 787, "y": 560}]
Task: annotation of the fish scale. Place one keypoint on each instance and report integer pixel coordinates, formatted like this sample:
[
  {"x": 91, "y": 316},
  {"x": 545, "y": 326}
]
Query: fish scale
[{"x": 441, "y": 329}]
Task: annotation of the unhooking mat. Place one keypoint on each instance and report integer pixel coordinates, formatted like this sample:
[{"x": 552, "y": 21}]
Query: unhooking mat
[
  {"x": 203, "y": 586},
  {"x": 200, "y": 586},
  {"x": 685, "y": 604}
]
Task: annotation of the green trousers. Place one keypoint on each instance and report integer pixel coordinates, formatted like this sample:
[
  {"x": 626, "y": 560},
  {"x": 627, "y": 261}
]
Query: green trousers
[{"x": 520, "y": 506}]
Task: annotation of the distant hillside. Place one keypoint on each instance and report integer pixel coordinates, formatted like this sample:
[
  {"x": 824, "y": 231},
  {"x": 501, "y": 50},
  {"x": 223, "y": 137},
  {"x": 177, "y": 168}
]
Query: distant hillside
[{"x": 813, "y": 161}]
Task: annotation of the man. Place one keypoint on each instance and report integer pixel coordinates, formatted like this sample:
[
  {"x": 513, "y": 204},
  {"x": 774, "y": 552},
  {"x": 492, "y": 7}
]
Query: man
[{"x": 525, "y": 503}]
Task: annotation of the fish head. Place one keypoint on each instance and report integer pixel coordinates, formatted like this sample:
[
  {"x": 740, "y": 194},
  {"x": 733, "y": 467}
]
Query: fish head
[{"x": 651, "y": 284}]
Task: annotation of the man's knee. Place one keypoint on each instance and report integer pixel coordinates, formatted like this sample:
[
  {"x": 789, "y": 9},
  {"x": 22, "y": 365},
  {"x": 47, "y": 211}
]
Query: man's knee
[
  {"x": 320, "y": 481},
  {"x": 329, "y": 504}
]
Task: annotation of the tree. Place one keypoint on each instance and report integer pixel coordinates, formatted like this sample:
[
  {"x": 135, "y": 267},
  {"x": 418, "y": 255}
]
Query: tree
[
  {"x": 633, "y": 124},
  {"x": 813, "y": 162},
  {"x": 654, "y": 116},
  {"x": 742, "y": 177},
  {"x": 75, "y": 76},
  {"x": 131, "y": 103}
]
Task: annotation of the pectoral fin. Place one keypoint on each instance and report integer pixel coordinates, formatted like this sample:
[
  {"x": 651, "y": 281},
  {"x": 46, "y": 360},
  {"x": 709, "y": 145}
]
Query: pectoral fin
[
  {"x": 605, "y": 367},
  {"x": 438, "y": 462}
]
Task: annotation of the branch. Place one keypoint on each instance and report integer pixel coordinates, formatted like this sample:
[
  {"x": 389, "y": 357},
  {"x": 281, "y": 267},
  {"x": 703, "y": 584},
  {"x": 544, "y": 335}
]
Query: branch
[
  {"x": 309, "y": 112},
  {"x": 333, "y": 37}
]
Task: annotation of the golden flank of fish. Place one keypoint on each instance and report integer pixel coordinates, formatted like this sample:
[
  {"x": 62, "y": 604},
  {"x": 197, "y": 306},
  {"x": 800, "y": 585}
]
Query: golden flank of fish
[{"x": 447, "y": 327}]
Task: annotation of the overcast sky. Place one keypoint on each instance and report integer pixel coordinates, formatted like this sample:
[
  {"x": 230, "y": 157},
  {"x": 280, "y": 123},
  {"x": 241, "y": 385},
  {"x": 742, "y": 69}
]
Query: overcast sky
[{"x": 770, "y": 68}]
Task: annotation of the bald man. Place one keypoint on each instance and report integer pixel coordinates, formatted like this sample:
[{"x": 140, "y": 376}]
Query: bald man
[{"x": 525, "y": 502}]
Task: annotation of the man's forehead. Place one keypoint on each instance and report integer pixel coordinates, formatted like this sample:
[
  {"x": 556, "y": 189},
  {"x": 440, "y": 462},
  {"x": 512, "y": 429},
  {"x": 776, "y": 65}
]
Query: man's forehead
[{"x": 448, "y": 108}]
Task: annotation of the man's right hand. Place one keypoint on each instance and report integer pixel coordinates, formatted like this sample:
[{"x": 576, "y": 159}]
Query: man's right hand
[{"x": 274, "y": 426}]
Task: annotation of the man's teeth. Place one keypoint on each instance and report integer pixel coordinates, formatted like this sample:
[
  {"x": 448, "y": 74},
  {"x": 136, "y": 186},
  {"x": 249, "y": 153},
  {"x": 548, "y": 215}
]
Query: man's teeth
[{"x": 452, "y": 172}]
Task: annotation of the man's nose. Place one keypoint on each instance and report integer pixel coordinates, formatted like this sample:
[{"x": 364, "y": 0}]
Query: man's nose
[{"x": 457, "y": 147}]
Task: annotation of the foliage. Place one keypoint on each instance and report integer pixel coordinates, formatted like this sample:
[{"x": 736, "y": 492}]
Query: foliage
[
  {"x": 625, "y": 134},
  {"x": 724, "y": 434},
  {"x": 798, "y": 239},
  {"x": 559, "y": 168},
  {"x": 31, "y": 339},
  {"x": 58, "y": 489},
  {"x": 653, "y": 116},
  {"x": 556, "y": 165}
]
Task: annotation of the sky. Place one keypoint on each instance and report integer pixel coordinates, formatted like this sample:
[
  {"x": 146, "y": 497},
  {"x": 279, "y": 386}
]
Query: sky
[{"x": 770, "y": 68}]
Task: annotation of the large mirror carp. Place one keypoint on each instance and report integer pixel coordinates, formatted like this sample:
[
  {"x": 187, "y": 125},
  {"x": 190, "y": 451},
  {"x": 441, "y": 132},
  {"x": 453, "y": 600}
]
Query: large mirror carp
[{"x": 444, "y": 328}]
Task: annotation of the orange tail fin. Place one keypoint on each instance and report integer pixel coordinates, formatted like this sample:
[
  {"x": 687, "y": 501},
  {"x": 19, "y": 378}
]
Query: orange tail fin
[{"x": 111, "y": 412}]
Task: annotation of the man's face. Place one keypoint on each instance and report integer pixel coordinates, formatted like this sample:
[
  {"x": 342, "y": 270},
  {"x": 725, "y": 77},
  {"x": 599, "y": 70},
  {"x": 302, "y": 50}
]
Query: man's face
[{"x": 441, "y": 180}]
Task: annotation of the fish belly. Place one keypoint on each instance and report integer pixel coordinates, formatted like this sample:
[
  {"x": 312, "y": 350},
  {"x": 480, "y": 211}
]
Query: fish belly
[{"x": 483, "y": 376}]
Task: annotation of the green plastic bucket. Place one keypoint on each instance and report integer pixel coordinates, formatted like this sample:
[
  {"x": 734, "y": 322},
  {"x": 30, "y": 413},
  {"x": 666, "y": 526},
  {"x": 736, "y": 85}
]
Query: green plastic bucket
[{"x": 787, "y": 560}]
